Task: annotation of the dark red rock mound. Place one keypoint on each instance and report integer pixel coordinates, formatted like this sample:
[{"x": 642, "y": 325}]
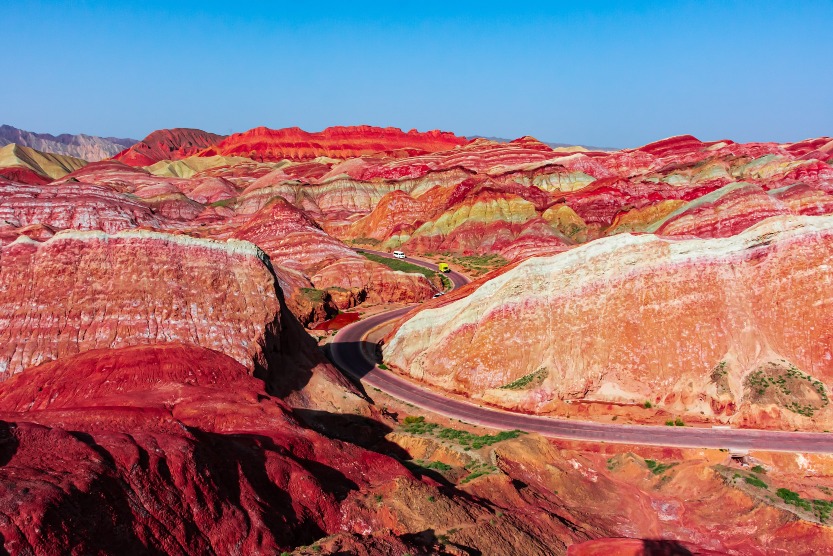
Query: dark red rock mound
[
  {"x": 167, "y": 144},
  {"x": 169, "y": 449}
]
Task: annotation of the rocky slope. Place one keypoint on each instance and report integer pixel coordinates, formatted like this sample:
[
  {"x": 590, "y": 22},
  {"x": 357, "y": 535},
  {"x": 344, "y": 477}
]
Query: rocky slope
[
  {"x": 85, "y": 147},
  {"x": 172, "y": 449},
  {"x": 729, "y": 329},
  {"x": 133, "y": 351}
]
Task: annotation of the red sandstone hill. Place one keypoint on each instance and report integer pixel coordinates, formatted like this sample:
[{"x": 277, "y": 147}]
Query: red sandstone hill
[
  {"x": 167, "y": 144},
  {"x": 264, "y": 144}
]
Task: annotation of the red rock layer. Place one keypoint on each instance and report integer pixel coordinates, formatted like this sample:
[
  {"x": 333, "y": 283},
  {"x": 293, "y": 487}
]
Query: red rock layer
[
  {"x": 264, "y": 144},
  {"x": 295, "y": 242},
  {"x": 21, "y": 174},
  {"x": 167, "y": 144},
  {"x": 170, "y": 449}
]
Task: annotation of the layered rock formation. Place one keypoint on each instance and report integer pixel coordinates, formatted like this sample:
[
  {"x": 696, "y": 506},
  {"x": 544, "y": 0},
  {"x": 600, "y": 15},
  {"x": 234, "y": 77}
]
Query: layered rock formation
[
  {"x": 335, "y": 277},
  {"x": 68, "y": 205},
  {"x": 734, "y": 329},
  {"x": 88, "y": 290},
  {"x": 85, "y": 147},
  {"x": 264, "y": 144}
]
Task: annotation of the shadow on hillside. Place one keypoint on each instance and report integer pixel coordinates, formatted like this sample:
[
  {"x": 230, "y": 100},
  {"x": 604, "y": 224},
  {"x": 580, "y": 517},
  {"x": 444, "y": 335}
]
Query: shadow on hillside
[
  {"x": 429, "y": 538},
  {"x": 220, "y": 470},
  {"x": 291, "y": 354},
  {"x": 664, "y": 548},
  {"x": 356, "y": 429},
  {"x": 359, "y": 366},
  {"x": 8, "y": 443}
]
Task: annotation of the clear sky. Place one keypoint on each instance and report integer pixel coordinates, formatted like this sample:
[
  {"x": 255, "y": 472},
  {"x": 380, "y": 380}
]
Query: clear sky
[{"x": 601, "y": 73}]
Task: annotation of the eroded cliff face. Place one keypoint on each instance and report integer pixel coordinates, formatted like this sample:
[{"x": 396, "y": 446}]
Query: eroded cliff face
[
  {"x": 735, "y": 329},
  {"x": 85, "y": 290}
]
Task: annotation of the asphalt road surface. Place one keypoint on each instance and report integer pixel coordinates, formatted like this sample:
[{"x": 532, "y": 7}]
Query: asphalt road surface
[{"x": 349, "y": 353}]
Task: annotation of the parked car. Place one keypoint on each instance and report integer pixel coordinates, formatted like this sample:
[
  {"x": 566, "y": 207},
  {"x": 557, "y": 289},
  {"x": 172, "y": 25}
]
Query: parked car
[
  {"x": 438, "y": 294},
  {"x": 444, "y": 267},
  {"x": 399, "y": 254}
]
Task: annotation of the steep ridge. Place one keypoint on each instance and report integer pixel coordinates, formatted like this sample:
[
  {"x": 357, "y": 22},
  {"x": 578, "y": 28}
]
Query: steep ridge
[
  {"x": 167, "y": 144},
  {"x": 264, "y": 144},
  {"x": 32, "y": 166},
  {"x": 85, "y": 147},
  {"x": 744, "y": 336}
]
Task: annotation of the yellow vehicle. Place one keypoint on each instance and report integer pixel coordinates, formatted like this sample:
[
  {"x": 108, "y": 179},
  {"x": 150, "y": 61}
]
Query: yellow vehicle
[{"x": 444, "y": 267}]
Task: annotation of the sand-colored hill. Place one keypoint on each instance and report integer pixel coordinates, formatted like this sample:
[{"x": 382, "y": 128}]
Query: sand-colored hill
[{"x": 45, "y": 164}]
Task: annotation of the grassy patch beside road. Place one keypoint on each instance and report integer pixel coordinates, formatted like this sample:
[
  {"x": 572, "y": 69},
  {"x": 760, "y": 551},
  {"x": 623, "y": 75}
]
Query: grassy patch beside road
[{"x": 398, "y": 264}]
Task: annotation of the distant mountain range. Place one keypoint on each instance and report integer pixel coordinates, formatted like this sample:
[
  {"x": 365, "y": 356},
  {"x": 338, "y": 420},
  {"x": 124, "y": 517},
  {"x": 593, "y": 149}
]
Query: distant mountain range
[
  {"x": 86, "y": 147},
  {"x": 553, "y": 145}
]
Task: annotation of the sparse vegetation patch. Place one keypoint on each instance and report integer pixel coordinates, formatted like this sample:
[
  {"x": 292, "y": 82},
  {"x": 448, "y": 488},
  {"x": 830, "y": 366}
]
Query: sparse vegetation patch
[
  {"x": 658, "y": 468},
  {"x": 418, "y": 425},
  {"x": 784, "y": 384},
  {"x": 532, "y": 379}
]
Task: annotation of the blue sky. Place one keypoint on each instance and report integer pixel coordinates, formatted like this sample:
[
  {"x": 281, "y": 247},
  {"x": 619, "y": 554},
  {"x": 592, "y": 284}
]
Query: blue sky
[{"x": 600, "y": 73}]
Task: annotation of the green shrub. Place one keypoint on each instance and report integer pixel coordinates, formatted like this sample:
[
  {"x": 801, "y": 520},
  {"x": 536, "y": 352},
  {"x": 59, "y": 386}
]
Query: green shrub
[
  {"x": 647, "y": 405},
  {"x": 658, "y": 468},
  {"x": 437, "y": 466},
  {"x": 755, "y": 481}
]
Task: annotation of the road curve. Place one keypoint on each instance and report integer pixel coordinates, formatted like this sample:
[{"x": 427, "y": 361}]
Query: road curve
[{"x": 347, "y": 353}]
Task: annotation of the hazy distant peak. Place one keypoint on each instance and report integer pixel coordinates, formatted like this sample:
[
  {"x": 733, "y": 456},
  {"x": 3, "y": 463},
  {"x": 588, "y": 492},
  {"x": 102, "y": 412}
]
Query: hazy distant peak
[{"x": 86, "y": 147}]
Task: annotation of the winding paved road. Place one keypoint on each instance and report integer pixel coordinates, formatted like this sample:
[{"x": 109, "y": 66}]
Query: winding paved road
[{"x": 348, "y": 354}]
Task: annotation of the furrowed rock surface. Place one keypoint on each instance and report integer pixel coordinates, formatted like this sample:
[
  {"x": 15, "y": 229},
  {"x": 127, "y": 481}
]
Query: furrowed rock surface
[
  {"x": 86, "y": 290},
  {"x": 264, "y": 144},
  {"x": 733, "y": 329},
  {"x": 79, "y": 291},
  {"x": 85, "y": 147},
  {"x": 167, "y": 144}
]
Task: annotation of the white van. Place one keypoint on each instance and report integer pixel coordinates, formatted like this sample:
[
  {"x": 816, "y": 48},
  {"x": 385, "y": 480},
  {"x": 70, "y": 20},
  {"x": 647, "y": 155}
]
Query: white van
[{"x": 399, "y": 254}]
